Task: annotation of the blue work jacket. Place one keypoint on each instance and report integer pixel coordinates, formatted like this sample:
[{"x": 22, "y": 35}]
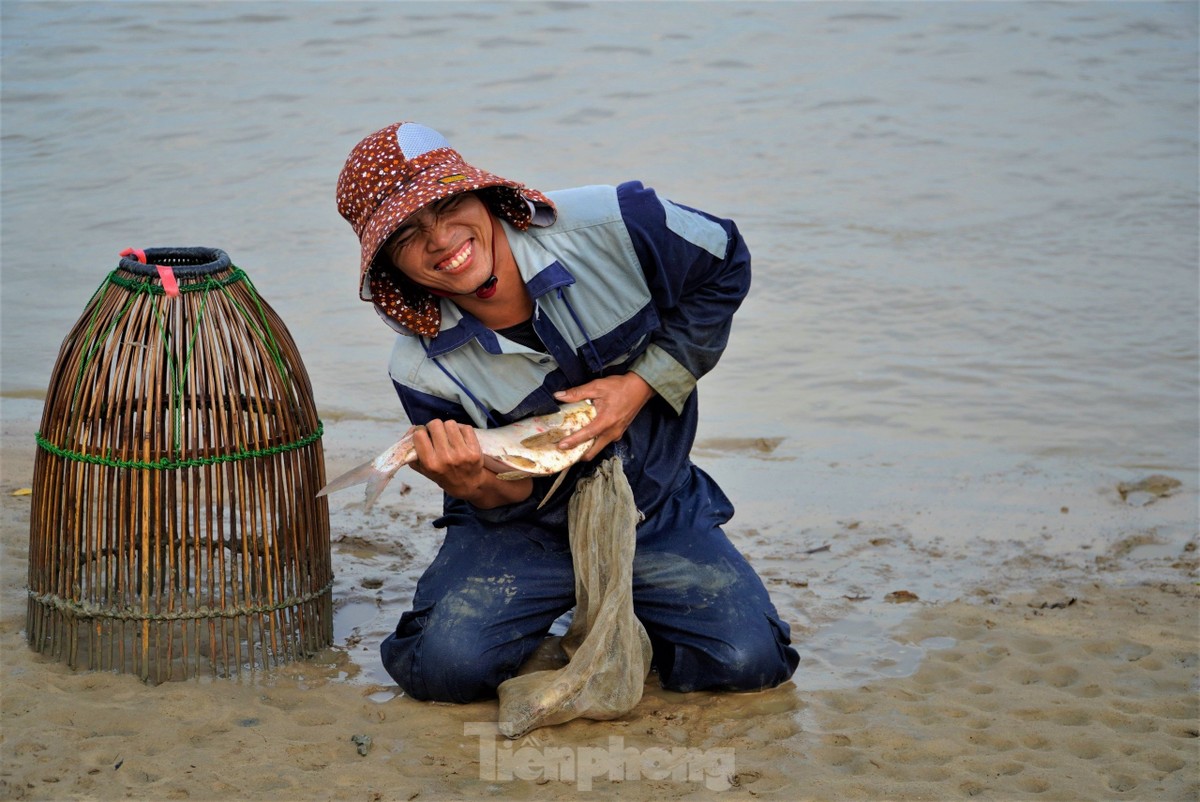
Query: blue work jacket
[{"x": 623, "y": 280}]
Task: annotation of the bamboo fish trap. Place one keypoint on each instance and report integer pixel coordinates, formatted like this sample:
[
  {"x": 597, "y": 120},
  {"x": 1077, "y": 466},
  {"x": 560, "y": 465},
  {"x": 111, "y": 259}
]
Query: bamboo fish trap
[{"x": 175, "y": 529}]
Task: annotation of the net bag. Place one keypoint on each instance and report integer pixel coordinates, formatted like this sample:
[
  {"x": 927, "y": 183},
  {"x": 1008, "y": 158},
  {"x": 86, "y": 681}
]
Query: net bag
[
  {"x": 608, "y": 647},
  {"x": 175, "y": 529}
]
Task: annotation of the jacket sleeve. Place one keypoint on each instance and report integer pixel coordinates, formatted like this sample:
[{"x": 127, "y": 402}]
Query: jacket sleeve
[{"x": 698, "y": 270}]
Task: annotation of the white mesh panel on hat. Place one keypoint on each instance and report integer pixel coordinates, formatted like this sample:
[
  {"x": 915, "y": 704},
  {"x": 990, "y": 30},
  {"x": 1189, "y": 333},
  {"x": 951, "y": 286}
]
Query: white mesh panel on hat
[{"x": 415, "y": 139}]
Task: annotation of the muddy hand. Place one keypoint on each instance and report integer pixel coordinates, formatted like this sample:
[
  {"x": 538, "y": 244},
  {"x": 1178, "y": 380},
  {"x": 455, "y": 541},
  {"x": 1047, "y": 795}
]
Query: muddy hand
[
  {"x": 617, "y": 399},
  {"x": 449, "y": 454}
]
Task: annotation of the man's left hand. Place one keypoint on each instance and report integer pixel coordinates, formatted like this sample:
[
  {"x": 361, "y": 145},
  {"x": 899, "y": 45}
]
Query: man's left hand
[{"x": 618, "y": 400}]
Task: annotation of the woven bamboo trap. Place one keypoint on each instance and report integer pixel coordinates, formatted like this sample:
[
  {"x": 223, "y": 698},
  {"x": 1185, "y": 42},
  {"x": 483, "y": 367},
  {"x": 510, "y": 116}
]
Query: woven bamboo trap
[{"x": 175, "y": 530}]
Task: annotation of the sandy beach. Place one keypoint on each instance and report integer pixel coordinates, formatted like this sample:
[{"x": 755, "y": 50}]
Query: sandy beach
[{"x": 1081, "y": 687}]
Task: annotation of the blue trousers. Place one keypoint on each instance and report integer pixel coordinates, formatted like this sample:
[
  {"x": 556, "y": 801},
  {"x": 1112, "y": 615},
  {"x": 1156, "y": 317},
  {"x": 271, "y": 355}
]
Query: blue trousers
[{"x": 490, "y": 596}]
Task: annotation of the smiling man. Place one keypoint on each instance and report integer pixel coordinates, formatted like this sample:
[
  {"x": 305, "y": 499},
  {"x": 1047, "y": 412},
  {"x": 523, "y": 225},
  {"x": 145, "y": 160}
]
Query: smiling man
[{"x": 508, "y": 302}]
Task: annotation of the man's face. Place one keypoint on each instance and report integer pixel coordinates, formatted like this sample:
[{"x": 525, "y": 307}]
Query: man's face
[{"x": 446, "y": 246}]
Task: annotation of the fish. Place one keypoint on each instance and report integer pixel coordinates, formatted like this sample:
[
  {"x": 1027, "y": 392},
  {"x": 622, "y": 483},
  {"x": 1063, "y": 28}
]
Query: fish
[{"x": 525, "y": 448}]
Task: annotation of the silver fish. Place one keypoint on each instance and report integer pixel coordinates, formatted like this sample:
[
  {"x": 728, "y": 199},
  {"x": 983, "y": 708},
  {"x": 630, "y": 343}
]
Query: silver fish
[{"x": 525, "y": 448}]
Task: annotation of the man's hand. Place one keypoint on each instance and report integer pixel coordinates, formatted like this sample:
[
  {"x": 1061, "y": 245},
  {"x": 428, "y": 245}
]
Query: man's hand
[
  {"x": 618, "y": 400},
  {"x": 449, "y": 454}
]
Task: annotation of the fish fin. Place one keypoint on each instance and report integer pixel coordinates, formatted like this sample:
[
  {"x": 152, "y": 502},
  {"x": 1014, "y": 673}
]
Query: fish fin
[
  {"x": 518, "y": 462},
  {"x": 544, "y": 439},
  {"x": 557, "y": 482},
  {"x": 352, "y": 477},
  {"x": 512, "y": 476}
]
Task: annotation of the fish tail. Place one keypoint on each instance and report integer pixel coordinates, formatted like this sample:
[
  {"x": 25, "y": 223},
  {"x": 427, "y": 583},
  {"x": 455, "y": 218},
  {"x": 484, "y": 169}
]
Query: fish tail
[
  {"x": 376, "y": 482},
  {"x": 352, "y": 477}
]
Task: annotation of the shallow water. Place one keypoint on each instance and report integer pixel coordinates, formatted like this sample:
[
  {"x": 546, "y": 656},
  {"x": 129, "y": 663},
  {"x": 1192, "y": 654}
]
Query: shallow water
[{"x": 974, "y": 228}]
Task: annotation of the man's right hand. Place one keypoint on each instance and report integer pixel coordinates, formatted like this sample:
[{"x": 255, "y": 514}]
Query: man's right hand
[{"x": 448, "y": 453}]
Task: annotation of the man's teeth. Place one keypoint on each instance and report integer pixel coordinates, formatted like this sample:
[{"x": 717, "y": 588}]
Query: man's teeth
[{"x": 459, "y": 259}]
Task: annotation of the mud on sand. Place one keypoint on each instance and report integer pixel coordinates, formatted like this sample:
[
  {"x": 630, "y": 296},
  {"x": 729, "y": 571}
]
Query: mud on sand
[
  {"x": 1084, "y": 689},
  {"x": 1021, "y": 698}
]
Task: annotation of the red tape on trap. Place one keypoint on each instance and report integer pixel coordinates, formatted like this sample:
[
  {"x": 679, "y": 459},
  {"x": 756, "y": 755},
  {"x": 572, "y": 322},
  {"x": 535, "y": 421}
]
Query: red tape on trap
[
  {"x": 168, "y": 280},
  {"x": 136, "y": 253},
  {"x": 165, "y": 274}
]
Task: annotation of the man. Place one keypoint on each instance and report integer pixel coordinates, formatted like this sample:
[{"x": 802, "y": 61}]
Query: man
[{"x": 510, "y": 301}]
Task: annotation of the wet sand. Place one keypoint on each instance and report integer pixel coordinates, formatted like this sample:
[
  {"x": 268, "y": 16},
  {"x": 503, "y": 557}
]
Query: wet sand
[{"x": 1083, "y": 685}]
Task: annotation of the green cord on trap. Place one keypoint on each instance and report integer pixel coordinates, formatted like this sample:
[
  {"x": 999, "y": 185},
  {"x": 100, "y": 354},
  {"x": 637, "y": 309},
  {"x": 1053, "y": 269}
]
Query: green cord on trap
[
  {"x": 168, "y": 464},
  {"x": 146, "y": 286}
]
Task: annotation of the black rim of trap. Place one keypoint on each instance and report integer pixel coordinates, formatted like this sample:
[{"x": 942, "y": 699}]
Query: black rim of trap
[{"x": 184, "y": 262}]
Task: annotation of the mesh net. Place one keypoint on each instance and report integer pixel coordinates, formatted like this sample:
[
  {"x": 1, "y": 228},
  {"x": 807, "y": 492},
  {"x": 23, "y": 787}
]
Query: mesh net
[
  {"x": 415, "y": 139},
  {"x": 608, "y": 648}
]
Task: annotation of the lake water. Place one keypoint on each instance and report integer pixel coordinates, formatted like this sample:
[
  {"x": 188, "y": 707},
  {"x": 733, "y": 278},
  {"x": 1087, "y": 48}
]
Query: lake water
[{"x": 974, "y": 225}]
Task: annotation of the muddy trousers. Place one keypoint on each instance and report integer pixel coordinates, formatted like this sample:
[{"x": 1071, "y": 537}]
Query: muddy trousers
[{"x": 490, "y": 596}]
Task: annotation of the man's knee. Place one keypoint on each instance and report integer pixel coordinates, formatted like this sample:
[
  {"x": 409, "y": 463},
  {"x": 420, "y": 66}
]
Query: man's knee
[
  {"x": 436, "y": 659},
  {"x": 749, "y": 659}
]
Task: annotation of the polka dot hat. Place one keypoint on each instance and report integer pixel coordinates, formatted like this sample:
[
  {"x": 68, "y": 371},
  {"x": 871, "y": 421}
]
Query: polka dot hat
[{"x": 392, "y": 174}]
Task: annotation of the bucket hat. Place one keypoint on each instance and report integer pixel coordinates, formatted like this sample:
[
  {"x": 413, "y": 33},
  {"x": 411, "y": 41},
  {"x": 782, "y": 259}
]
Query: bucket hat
[{"x": 392, "y": 174}]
